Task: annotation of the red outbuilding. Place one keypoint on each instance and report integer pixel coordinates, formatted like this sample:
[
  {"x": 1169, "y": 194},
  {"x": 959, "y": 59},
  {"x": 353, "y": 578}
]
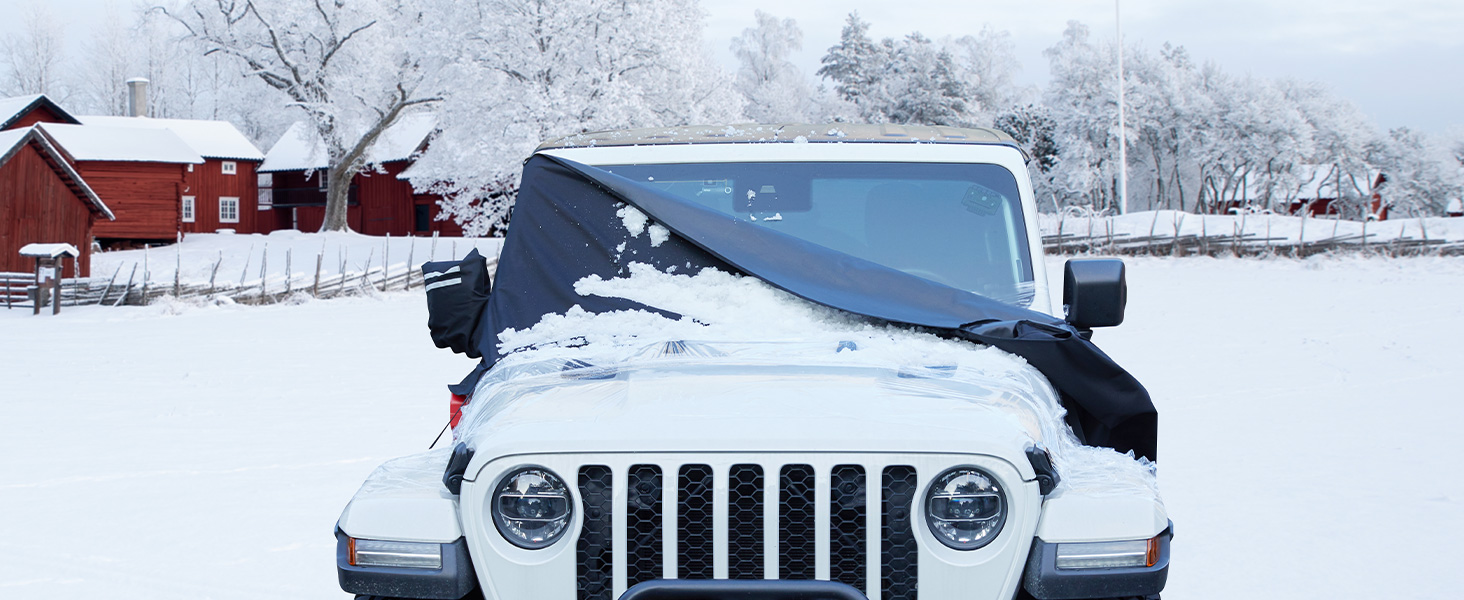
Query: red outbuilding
[
  {"x": 23, "y": 111},
  {"x": 223, "y": 191},
  {"x": 381, "y": 202},
  {"x": 139, "y": 173},
  {"x": 43, "y": 200}
]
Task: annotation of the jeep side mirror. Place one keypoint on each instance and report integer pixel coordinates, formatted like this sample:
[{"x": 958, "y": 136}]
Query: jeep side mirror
[{"x": 1094, "y": 292}]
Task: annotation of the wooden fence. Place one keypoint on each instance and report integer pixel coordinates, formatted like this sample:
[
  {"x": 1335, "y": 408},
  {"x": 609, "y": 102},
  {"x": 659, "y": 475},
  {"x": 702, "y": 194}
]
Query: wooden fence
[
  {"x": 123, "y": 289},
  {"x": 1103, "y": 240}
]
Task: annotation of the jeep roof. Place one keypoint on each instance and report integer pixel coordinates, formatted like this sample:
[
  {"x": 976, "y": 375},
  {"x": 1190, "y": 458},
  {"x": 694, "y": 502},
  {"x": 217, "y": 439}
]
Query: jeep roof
[{"x": 787, "y": 132}]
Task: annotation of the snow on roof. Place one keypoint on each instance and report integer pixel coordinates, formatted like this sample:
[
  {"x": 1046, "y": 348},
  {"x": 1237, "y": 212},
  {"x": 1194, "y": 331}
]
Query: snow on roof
[
  {"x": 12, "y": 108},
  {"x": 300, "y": 148},
  {"x": 11, "y": 141},
  {"x": 95, "y": 142},
  {"x": 210, "y": 139},
  {"x": 49, "y": 250}
]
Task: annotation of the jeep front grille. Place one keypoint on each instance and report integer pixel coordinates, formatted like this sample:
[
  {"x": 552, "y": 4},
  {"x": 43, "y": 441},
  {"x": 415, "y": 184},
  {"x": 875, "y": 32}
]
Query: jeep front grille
[{"x": 748, "y": 521}]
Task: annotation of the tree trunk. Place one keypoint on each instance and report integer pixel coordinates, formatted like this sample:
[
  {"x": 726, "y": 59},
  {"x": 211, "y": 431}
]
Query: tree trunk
[{"x": 337, "y": 196}]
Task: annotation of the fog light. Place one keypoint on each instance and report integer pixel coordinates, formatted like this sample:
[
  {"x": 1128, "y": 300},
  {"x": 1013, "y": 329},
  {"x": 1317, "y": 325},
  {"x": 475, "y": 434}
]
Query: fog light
[
  {"x": 1108, "y": 555},
  {"x": 402, "y": 555}
]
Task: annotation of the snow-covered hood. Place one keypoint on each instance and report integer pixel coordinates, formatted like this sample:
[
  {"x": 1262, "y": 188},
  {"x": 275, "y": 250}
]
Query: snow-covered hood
[{"x": 742, "y": 402}]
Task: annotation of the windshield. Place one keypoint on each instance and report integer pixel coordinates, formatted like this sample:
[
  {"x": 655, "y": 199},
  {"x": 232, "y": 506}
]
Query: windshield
[{"x": 956, "y": 224}]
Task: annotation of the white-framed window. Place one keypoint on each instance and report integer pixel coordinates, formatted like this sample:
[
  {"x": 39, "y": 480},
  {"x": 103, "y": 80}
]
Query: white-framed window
[
  {"x": 229, "y": 167},
  {"x": 228, "y": 209},
  {"x": 187, "y": 210},
  {"x": 266, "y": 191},
  {"x": 190, "y": 168},
  {"x": 322, "y": 180}
]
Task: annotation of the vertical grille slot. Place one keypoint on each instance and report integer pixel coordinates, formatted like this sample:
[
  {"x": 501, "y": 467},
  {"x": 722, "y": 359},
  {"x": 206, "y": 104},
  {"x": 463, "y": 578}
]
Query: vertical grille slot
[
  {"x": 795, "y": 523},
  {"x": 745, "y": 522},
  {"x": 899, "y": 556},
  {"x": 595, "y": 543},
  {"x": 847, "y": 527},
  {"x": 643, "y": 550},
  {"x": 694, "y": 545}
]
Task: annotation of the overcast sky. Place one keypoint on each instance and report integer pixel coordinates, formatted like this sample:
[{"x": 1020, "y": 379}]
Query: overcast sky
[{"x": 1401, "y": 61}]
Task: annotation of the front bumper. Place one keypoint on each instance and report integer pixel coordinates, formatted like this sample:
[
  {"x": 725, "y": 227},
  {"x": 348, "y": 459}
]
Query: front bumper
[
  {"x": 454, "y": 580},
  {"x": 1044, "y": 581}
]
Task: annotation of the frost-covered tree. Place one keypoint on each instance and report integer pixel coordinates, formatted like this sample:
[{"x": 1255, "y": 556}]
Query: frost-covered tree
[
  {"x": 1422, "y": 173},
  {"x": 350, "y": 69},
  {"x": 987, "y": 64},
  {"x": 776, "y": 90},
  {"x": 32, "y": 57},
  {"x": 532, "y": 71}
]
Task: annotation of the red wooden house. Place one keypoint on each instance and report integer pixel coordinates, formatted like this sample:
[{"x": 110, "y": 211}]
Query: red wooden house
[
  {"x": 223, "y": 191},
  {"x": 139, "y": 173},
  {"x": 292, "y": 182},
  {"x": 43, "y": 200},
  {"x": 23, "y": 111}
]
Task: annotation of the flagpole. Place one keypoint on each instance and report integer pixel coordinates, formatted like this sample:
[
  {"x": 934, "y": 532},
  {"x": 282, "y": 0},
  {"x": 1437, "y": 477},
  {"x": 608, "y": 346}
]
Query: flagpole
[{"x": 1122, "y": 138}]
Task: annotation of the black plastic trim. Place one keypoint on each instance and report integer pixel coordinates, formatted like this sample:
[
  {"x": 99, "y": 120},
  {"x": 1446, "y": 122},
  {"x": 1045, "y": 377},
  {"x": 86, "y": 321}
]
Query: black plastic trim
[
  {"x": 731, "y": 589},
  {"x": 1047, "y": 477},
  {"x": 1044, "y": 581},
  {"x": 453, "y": 581},
  {"x": 457, "y": 467}
]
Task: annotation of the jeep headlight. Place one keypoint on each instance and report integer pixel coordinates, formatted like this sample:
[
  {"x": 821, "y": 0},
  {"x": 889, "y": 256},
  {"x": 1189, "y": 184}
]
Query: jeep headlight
[
  {"x": 965, "y": 508},
  {"x": 532, "y": 507}
]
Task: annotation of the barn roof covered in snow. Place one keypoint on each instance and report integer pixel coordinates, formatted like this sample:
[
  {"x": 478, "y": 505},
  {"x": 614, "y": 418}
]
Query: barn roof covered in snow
[
  {"x": 300, "y": 148},
  {"x": 12, "y": 109},
  {"x": 12, "y": 141},
  {"x": 210, "y": 139},
  {"x": 97, "y": 143}
]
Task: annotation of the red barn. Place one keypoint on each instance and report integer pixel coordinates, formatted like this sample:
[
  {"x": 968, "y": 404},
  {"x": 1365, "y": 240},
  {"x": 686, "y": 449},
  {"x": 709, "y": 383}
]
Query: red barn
[
  {"x": 292, "y": 181},
  {"x": 139, "y": 173},
  {"x": 23, "y": 111},
  {"x": 42, "y": 200},
  {"x": 221, "y": 193}
]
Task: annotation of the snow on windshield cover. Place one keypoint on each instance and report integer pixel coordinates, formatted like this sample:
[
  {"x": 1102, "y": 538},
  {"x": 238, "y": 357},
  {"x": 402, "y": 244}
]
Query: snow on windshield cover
[
  {"x": 732, "y": 320},
  {"x": 956, "y": 224}
]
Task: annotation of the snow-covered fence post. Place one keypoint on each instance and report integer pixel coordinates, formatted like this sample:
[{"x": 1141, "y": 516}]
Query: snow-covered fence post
[
  {"x": 289, "y": 275},
  {"x": 411, "y": 251},
  {"x": 105, "y": 291},
  {"x": 144, "y": 273},
  {"x": 263, "y": 271},
  {"x": 319, "y": 261},
  {"x": 245, "y": 273},
  {"x": 432, "y": 252},
  {"x": 345, "y": 254},
  {"x": 178, "y": 267},
  {"x": 215, "y": 273},
  {"x": 386, "y": 263},
  {"x": 129, "y": 287}
]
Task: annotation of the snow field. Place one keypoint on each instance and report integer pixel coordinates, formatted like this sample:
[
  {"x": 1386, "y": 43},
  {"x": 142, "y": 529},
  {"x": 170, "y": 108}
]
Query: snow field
[{"x": 1307, "y": 443}]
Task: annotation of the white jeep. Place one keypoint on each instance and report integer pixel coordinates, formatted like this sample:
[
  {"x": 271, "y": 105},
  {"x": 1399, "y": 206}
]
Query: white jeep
[{"x": 735, "y": 362}]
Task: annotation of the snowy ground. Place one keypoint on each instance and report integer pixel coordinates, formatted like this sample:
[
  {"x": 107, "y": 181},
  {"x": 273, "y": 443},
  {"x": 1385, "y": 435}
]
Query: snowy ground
[{"x": 1308, "y": 446}]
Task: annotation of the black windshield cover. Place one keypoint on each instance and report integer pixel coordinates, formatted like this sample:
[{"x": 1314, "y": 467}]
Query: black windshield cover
[{"x": 565, "y": 228}]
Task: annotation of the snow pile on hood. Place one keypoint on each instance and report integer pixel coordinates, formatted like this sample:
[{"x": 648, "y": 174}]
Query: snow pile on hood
[
  {"x": 726, "y": 317},
  {"x": 716, "y": 306}
]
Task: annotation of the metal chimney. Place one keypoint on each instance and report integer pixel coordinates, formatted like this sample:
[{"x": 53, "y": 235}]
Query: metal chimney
[{"x": 137, "y": 97}]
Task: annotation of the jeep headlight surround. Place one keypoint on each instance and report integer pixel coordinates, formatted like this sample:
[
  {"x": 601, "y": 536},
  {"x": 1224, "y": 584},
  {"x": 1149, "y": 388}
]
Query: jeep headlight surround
[
  {"x": 965, "y": 508},
  {"x": 531, "y": 507}
]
